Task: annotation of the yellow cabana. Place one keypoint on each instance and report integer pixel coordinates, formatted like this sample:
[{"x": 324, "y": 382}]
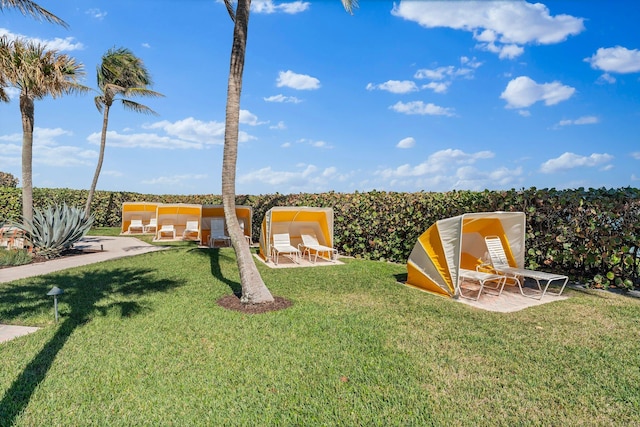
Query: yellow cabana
[
  {"x": 178, "y": 215},
  {"x": 209, "y": 212},
  {"x": 454, "y": 243},
  {"x": 292, "y": 220},
  {"x": 144, "y": 211}
]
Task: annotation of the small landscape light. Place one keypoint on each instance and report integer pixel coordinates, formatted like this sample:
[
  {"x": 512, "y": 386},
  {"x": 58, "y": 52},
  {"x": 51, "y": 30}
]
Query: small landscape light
[{"x": 55, "y": 291}]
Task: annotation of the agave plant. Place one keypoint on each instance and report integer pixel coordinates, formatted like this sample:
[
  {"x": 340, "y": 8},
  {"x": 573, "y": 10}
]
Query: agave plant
[{"x": 55, "y": 229}]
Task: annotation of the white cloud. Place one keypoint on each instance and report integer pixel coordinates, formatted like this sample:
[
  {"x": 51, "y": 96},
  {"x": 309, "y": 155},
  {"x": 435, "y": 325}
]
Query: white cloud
[
  {"x": 523, "y": 92},
  {"x": 636, "y": 155},
  {"x": 315, "y": 144},
  {"x": 451, "y": 169},
  {"x": 449, "y": 71},
  {"x": 584, "y": 120},
  {"x": 616, "y": 60},
  {"x": 248, "y": 118},
  {"x": 279, "y": 126},
  {"x": 272, "y": 177},
  {"x": 12, "y": 92},
  {"x": 282, "y": 98},
  {"x": 437, "y": 163},
  {"x": 469, "y": 177},
  {"x": 570, "y": 160},
  {"x": 67, "y": 44},
  {"x": 470, "y": 62},
  {"x": 305, "y": 177},
  {"x": 297, "y": 81},
  {"x": 191, "y": 131},
  {"x": 406, "y": 143},
  {"x": 607, "y": 78},
  {"x": 144, "y": 140},
  {"x": 419, "y": 107},
  {"x": 269, "y": 7},
  {"x": 186, "y": 134},
  {"x": 146, "y": 45},
  {"x": 395, "y": 86},
  {"x": 499, "y": 26},
  {"x": 96, "y": 13},
  {"x": 437, "y": 87},
  {"x": 47, "y": 149},
  {"x": 508, "y": 51},
  {"x": 442, "y": 77},
  {"x": 174, "y": 179}
]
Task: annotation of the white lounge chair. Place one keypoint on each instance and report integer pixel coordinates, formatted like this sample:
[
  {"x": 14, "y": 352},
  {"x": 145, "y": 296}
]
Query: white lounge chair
[
  {"x": 152, "y": 226},
  {"x": 136, "y": 224},
  {"x": 282, "y": 245},
  {"x": 217, "y": 233},
  {"x": 167, "y": 229},
  {"x": 482, "y": 279},
  {"x": 500, "y": 264},
  {"x": 310, "y": 243},
  {"x": 192, "y": 230}
]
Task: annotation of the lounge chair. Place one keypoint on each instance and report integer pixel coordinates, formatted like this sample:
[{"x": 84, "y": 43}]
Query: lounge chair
[
  {"x": 310, "y": 243},
  {"x": 152, "y": 226},
  {"x": 192, "y": 230},
  {"x": 482, "y": 279},
  {"x": 500, "y": 265},
  {"x": 218, "y": 234},
  {"x": 136, "y": 224},
  {"x": 167, "y": 229},
  {"x": 282, "y": 245}
]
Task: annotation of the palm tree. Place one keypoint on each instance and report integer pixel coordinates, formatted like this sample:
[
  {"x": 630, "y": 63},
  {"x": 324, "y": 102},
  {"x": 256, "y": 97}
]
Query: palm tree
[
  {"x": 27, "y": 7},
  {"x": 120, "y": 74},
  {"x": 254, "y": 291},
  {"x": 37, "y": 73}
]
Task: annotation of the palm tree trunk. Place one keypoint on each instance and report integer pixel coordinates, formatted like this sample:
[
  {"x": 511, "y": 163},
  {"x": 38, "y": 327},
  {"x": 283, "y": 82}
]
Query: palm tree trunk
[
  {"x": 254, "y": 290},
  {"x": 103, "y": 144},
  {"x": 27, "y": 112}
]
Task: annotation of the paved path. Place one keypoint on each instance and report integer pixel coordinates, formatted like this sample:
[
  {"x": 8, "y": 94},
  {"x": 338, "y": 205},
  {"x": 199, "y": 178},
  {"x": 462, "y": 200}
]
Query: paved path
[{"x": 102, "y": 248}]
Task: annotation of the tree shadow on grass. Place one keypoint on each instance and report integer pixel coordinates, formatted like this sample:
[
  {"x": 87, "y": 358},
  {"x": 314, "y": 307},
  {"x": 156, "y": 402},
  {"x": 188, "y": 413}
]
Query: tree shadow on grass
[
  {"x": 216, "y": 271},
  {"x": 86, "y": 296},
  {"x": 232, "y": 302}
]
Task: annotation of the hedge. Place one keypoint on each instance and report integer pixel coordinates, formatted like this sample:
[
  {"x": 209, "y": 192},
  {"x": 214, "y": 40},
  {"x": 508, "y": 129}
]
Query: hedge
[{"x": 591, "y": 235}]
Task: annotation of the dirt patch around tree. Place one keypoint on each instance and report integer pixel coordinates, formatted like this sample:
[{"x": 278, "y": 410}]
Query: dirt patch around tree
[{"x": 232, "y": 302}]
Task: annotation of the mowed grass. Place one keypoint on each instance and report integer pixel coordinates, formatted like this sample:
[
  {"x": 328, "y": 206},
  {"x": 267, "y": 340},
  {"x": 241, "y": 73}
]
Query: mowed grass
[{"x": 141, "y": 341}]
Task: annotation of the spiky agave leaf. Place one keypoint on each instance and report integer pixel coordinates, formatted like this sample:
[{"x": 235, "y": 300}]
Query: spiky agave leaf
[{"x": 55, "y": 229}]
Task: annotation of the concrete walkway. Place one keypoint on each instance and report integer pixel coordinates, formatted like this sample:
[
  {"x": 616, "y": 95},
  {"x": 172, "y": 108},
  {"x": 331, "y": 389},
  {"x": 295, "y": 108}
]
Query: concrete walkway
[{"x": 99, "y": 248}]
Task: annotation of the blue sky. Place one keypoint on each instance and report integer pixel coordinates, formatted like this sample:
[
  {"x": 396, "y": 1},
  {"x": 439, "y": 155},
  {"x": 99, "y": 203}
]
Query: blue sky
[{"x": 400, "y": 96}]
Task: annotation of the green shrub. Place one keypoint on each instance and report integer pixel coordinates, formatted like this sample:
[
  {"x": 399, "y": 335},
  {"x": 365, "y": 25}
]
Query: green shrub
[
  {"x": 55, "y": 229},
  {"x": 11, "y": 257},
  {"x": 590, "y": 235}
]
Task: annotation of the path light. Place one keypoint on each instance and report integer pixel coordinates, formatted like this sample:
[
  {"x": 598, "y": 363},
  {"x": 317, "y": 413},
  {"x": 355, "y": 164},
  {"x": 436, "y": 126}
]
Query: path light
[{"x": 55, "y": 291}]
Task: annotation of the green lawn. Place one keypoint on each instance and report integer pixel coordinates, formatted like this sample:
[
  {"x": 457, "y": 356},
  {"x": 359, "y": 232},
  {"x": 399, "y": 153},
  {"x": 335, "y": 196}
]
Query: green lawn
[{"x": 141, "y": 341}]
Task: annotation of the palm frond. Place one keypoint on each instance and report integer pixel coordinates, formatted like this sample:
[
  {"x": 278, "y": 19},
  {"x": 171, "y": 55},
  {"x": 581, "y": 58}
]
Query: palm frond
[
  {"x": 122, "y": 74},
  {"x": 138, "y": 108},
  {"x": 349, "y": 5},
  {"x": 39, "y": 72},
  {"x": 232, "y": 13},
  {"x": 99, "y": 101},
  {"x": 140, "y": 91},
  {"x": 28, "y": 7}
]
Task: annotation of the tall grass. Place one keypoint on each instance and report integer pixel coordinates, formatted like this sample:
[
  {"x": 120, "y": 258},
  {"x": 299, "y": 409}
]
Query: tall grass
[{"x": 141, "y": 341}]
